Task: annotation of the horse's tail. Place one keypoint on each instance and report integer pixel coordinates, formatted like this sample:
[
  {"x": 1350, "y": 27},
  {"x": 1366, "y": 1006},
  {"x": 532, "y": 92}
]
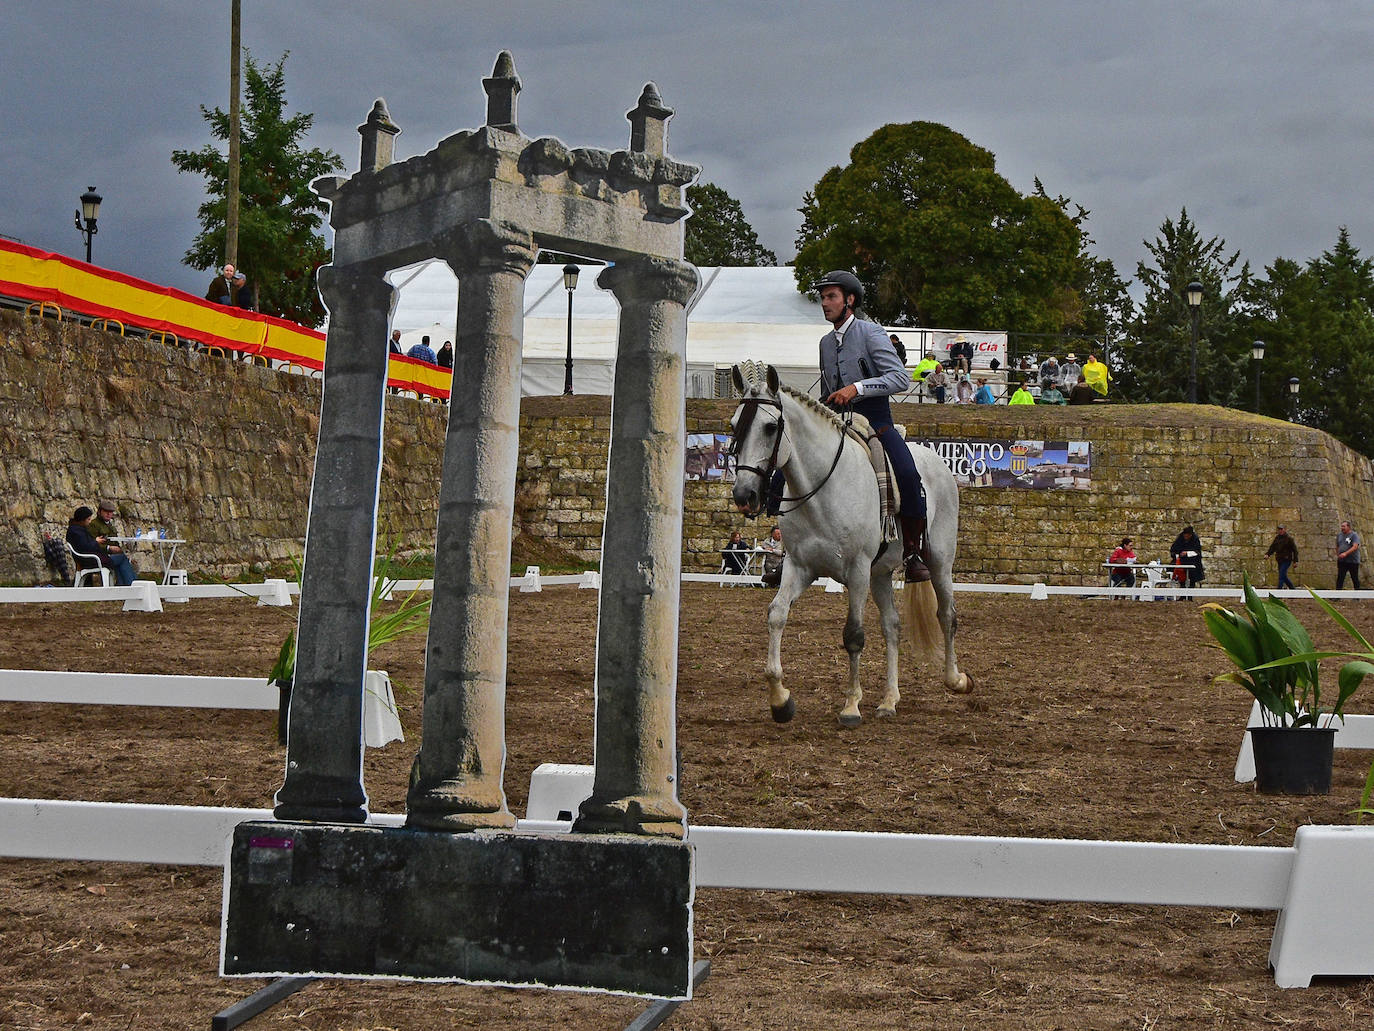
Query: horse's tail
[{"x": 922, "y": 620}]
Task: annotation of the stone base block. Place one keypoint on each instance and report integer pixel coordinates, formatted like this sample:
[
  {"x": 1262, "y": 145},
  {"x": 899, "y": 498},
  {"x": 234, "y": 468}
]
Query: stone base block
[{"x": 595, "y": 912}]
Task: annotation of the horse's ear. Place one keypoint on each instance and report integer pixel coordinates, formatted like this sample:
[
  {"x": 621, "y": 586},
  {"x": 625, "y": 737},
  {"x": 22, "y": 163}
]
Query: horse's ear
[
  {"x": 772, "y": 380},
  {"x": 737, "y": 379}
]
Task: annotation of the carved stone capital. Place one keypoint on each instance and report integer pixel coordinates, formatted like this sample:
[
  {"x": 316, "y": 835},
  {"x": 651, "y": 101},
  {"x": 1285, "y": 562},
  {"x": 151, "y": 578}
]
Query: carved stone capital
[
  {"x": 489, "y": 245},
  {"x": 647, "y": 279}
]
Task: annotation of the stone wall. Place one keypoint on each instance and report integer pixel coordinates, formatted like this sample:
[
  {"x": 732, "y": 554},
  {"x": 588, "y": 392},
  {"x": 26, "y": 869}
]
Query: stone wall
[{"x": 221, "y": 453}]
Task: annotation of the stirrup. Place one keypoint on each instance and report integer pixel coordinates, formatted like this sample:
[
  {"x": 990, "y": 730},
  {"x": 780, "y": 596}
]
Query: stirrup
[{"x": 917, "y": 572}]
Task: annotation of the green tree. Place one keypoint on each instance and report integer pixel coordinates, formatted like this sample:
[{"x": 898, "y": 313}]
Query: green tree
[
  {"x": 280, "y": 245},
  {"x": 718, "y": 233},
  {"x": 1317, "y": 325},
  {"x": 1156, "y": 353},
  {"x": 939, "y": 238}
]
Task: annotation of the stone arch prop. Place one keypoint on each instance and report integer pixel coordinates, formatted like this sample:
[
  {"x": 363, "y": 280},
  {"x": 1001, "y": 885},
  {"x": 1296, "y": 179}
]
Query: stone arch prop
[{"x": 455, "y": 894}]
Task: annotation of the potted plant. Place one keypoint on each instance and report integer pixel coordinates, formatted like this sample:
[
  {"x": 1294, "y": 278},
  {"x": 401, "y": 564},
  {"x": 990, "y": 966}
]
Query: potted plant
[
  {"x": 1277, "y": 663},
  {"x": 409, "y": 617}
]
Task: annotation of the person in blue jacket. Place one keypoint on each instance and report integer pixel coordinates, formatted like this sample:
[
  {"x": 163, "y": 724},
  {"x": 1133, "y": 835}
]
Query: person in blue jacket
[
  {"x": 859, "y": 369},
  {"x": 984, "y": 395}
]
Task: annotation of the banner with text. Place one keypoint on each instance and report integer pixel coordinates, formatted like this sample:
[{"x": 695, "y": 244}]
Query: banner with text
[{"x": 1027, "y": 464}]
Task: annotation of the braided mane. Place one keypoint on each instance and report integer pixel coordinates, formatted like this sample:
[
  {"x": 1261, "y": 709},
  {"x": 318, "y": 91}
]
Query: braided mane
[{"x": 755, "y": 374}]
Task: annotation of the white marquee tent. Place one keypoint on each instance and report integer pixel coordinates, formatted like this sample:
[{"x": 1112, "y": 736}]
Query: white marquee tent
[{"x": 737, "y": 313}]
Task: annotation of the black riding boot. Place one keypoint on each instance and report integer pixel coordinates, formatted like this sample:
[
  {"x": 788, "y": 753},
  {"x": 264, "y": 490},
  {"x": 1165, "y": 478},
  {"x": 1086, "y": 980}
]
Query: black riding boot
[{"x": 914, "y": 549}]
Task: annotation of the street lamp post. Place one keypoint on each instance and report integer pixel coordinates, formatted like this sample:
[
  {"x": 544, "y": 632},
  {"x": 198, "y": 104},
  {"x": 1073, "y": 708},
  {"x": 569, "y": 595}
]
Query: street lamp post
[
  {"x": 569, "y": 284},
  {"x": 1195, "y": 307},
  {"x": 1257, "y": 353},
  {"x": 90, "y": 211},
  {"x": 1293, "y": 385}
]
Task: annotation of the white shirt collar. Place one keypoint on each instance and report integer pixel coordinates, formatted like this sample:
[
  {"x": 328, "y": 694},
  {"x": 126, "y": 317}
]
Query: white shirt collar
[{"x": 844, "y": 326}]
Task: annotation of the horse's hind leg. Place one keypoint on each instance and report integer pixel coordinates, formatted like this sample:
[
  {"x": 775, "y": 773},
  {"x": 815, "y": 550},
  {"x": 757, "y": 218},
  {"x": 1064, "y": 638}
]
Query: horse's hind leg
[
  {"x": 892, "y": 631},
  {"x": 955, "y": 681},
  {"x": 854, "y": 645}
]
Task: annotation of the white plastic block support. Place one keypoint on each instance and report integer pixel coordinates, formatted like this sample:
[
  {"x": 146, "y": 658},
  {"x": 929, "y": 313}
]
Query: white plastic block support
[
  {"x": 381, "y": 721},
  {"x": 1039, "y": 592},
  {"x": 530, "y": 583},
  {"x": 276, "y": 593},
  {"x": 591, "y": 580},
  {"x": 143, "y": 597},
  {"x": 175, "y": 578},
  {"x": 833, "y": 586},
  {"x": 1325, "y": 929},
  {"x": 558, "y": 788}
]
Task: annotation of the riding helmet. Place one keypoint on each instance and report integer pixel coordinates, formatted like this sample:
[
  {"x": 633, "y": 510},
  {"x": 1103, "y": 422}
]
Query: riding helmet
[{"x": 846, "y": 281}]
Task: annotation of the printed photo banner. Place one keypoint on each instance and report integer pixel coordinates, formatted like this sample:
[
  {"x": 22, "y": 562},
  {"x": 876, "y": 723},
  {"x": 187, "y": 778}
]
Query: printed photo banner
[
  {"x": 1024, "y": 464},
  {"x": 708, "y": 457}
]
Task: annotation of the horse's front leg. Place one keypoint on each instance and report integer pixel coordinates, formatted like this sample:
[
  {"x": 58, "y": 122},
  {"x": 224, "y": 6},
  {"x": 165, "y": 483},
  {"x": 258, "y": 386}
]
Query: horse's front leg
[
  {"x": 854, "y": 645},
  {"x": 892, "y": 631},
  {"x": 955, "y": 681},
  {"x": 780, "y": 700}
]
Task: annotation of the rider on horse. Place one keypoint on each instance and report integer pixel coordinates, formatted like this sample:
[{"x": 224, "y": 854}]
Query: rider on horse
[{"x": 859, "y": 369}]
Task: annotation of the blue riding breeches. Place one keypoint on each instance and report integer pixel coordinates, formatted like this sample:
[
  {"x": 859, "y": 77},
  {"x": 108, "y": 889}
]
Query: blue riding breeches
[{"x": 879, "y": 416}]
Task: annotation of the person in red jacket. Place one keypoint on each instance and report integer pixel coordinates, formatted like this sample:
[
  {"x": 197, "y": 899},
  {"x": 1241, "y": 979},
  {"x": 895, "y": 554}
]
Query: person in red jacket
[{"x": 1122, "y": 556}]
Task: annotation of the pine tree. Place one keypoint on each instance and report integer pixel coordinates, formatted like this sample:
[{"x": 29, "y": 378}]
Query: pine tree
[{"x": 280, "y": 244}]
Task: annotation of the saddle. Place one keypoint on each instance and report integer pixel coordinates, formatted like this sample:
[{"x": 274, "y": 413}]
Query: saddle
[{"x": 889, "y": 496}]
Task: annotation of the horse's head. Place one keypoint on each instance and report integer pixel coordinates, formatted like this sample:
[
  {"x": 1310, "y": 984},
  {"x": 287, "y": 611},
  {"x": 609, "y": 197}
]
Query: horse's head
[{"x": 759, "y": 445}]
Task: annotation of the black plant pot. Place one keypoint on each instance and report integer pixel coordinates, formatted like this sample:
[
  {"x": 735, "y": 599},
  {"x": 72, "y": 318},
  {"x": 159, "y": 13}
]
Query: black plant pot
[
  {"x": 283, "y": 708},
  {"x": 1293, "y": 760}
]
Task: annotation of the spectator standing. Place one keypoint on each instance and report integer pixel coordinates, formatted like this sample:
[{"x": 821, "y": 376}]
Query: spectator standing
[
  {"x": 422, "y": 351},
  {"x": 1096, "y": 375},
  {"x": 1123, "y": 556},
  {"x": 898, "y": 346},
  {"x": 1347, "y": 557},
  {"x": 1049, "y": 374},
  {"x": 445, "y": 356},
  {"x": 1187, "y": 551},
  {"x": 1022, "y": 396},
  {"x": 245, "y": 294},
  {"x": 1069, "y": 371},
  {"x": 1285, "y": 552},
  {"x": 81, "y": 539},
  {"x": 937, "y": 383},
  {"x": 221, "y": 289},
  {"x": 393, "y": 345},
  {"x": 1082, "y": 394},
  {"x": 984, "y": 395}
]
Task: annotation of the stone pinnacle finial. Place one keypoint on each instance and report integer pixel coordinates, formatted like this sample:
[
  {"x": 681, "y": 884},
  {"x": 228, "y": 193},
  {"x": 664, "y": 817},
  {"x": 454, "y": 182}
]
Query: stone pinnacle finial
[
  {"x": 379, "y": 134},
  {"x": 649, "y": 123},
  {"x": 502, "y": 87}
]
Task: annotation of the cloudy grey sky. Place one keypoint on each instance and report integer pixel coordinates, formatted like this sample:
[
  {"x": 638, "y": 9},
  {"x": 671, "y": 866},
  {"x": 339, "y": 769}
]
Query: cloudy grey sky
[{"x": 1254, "y": 114}]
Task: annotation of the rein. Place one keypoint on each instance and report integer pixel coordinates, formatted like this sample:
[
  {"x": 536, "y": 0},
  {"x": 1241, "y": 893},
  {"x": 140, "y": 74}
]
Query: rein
[{"x": 751, "y": 406}]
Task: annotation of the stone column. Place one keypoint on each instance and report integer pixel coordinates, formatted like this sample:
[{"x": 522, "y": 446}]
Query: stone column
[
  {"x": 456, "y": 785},
  {"x": 324, "y": 754},
  {"x": 635, "y": 788}
]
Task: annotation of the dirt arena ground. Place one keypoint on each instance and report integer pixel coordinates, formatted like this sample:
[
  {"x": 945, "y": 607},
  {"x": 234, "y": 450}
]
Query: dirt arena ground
[{"x": 1093, "y": 719}]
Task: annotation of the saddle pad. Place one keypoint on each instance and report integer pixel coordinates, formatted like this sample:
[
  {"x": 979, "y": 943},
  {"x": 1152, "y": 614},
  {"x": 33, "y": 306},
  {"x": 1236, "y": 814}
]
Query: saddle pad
[{"x": 889, "y": 497}]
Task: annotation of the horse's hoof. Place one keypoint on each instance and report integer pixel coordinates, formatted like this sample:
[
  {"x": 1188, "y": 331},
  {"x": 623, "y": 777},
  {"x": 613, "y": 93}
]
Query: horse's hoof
[
  {"x": 850, "y": 722},
  {"x": 883, "y": 714},
  {"x": 783, "y": 713},
  {"x": 964, "y": 686}
]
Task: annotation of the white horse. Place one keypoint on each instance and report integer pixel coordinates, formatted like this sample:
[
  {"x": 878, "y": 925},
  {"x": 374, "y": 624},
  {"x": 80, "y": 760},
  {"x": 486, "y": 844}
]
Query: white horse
[{"x": 830, "y": 519}]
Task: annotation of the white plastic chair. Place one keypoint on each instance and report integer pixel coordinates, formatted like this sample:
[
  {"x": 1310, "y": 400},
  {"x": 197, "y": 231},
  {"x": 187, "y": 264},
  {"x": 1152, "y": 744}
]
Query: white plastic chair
[{"x": 83, "y": 573}]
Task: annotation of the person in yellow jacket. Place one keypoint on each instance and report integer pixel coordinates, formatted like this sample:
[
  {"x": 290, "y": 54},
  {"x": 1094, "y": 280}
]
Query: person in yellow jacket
[
  {"x": 1022, "y": 396},
  {"x": 1097, "y": 375}
]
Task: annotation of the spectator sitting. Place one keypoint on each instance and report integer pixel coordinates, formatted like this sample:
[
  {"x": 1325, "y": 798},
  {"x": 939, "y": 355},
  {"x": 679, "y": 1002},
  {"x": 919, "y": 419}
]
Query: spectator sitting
[
  {"x": 735, "y": 555},
  {"x": 1069, "y": 370},
  {"x": 80, "y": 538},
  {"x": 1096, "y": 374},
  {"x": 1050, "y": 395},
  {"x": 924, "y": 368},
  {"x": 1124, "y": 555},
  {"x": 422, "y": 351},
  {"x": 963, "y": 392},
  {"x": 772, "y": 560},
  {"x": 221, "y": 289},
  {"x": 445, "y": 358},
  {"x": 962, "y": 353},
  {"x": 1022, "y": 396},
  {"x": 937, "y": 383},
  {"x": 984, "y": 395},
  {"x": 102, "y": 527},
  {"x": 1049, "y": 373},
  {"x": 1082, "y": 394},
  {"x": 245, "y": 296}
]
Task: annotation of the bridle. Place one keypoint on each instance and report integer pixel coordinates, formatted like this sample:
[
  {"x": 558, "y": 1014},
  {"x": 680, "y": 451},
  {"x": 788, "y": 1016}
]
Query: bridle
[{"x": 749, "y": 409}]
